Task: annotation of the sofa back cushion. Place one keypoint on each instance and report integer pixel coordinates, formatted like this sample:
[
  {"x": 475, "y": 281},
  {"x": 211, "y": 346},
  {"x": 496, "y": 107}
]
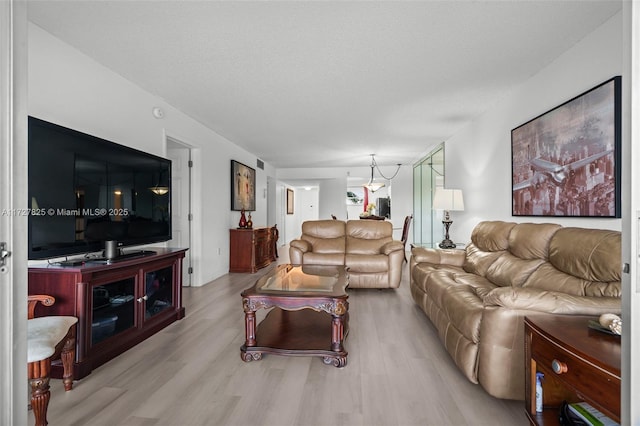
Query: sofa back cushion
[
  {"x": 368, "y": 236},
  {"x": 509, "y": 270},
  {"x": 582, "y": 262},
  {"x": 325, "y": 236},
  {"x": 489, "y": 240},
  {"x": 528, "y": 248},
  {"x": 531, "y": 240}
]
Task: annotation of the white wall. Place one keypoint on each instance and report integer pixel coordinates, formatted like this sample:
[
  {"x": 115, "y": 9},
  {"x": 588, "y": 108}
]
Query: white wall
[
  {"x": 478, "y": 158},
  {"x": 68, "y": 88},
  {"x": 332, "y": 196}
]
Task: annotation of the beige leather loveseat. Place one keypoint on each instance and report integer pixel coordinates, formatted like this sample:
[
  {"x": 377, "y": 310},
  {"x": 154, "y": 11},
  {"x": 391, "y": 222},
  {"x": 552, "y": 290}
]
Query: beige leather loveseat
[
  {"x": 477, "y": 297},
  {"x": 367, "y": 247}
]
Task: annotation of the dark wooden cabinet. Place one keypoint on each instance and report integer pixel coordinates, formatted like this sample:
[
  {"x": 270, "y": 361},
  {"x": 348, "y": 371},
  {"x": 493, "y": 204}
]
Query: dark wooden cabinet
[
  {"x": 117, "y": 305},
  {"x": 251, "y": 249},
  {"x": 578, "y": 363}
]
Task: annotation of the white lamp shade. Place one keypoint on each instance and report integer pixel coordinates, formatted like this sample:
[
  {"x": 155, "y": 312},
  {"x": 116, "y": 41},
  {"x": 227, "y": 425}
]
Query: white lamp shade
[
  {"x": 374, "y": 186},
  {"x": 448, "y": 199}
]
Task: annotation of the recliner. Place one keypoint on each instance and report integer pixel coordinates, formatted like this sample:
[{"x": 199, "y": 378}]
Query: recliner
[{"x": 366, "y": 247}]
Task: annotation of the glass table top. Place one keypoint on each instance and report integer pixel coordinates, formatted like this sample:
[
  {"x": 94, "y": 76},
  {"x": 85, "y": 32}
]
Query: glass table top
[{"x": 303, "y": 279}]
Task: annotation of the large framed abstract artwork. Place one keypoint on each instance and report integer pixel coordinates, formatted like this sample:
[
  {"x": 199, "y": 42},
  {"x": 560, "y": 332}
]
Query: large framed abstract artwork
[
  {"x": 243, "y": 187},
  {"x": 566, "y": 162}
]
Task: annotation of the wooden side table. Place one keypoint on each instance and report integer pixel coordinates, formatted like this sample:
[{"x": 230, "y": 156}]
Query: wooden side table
[{"x": 579, "y": 364}]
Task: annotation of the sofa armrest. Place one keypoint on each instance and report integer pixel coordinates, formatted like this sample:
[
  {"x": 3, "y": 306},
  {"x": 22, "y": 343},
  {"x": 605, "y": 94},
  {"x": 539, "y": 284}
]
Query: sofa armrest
[
  {"x": 391, "y": 246},
  {"x": 551, "y": 302},
  {"x": 438, "y": 256},
  {"x": 302, "y": 245}
]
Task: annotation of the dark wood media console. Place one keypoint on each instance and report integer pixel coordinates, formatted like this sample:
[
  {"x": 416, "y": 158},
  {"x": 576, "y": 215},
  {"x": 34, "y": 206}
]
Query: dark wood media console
[{"x": 118, "y": 305}]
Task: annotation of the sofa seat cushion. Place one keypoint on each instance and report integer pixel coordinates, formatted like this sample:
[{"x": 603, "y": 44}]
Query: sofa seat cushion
[
  {"x": 456, "y": 295},
  {"x": 456, "y": 310},
  {"x": 421, "y": 271},
  {"x": 370, "y": 263},
  {"x": 464, "y": 309},
  {"x": 368, "y": 279},
  {"x": 439, "y": 281},
  {"x": 333, "y": 259}
]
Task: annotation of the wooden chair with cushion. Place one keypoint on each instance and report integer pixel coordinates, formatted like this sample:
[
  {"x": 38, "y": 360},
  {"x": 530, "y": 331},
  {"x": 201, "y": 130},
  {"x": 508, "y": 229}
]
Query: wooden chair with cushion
[
  {"x": 405, "y": 234},
  {"x": 47, "y": 337}
]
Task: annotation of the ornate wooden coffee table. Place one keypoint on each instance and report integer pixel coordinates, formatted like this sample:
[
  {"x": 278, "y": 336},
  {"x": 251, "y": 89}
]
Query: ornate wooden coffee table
[{"x": 309, "y": 314}]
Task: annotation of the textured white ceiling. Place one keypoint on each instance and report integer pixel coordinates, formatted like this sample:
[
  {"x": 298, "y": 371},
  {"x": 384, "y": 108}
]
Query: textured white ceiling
[{"x": 326, "y": 83}]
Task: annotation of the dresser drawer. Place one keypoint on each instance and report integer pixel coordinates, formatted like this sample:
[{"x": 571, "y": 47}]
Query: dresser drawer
[{"x": 577, "y": 372}]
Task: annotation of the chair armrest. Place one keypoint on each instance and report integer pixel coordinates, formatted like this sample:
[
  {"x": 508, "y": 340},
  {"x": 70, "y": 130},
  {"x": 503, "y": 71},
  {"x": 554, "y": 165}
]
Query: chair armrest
[
  {"x": 551, "y": 302},
  {"x": 391, "y": 246},
  {"x": 34, "y": 299},
  {"x": 302, "y": 245},
  {"x": 438, "y": 256}
]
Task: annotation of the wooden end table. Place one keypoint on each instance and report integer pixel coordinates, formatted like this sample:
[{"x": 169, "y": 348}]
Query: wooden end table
[
  {"x": 579, "y": 364},
  {"x": 309, "y": 314}
]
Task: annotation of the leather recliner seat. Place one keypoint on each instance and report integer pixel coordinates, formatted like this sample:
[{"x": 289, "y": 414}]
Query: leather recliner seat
[
  {"x": 477, "y": 298},
  {"x": 366, "y": 247}
]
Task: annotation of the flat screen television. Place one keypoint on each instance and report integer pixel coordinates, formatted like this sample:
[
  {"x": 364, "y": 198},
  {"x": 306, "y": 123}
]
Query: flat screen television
[{"x": 84, "y": 190}]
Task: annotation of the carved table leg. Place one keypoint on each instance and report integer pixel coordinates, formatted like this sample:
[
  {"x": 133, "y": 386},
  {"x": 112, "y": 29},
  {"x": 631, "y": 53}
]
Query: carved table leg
[
  {"x": 67, "y": 355},
  {"x": 250, "y": 328},
  {"x": 38, "y": 373},
  {"x": 337, "y": 333},
  {"x": 250, "y": 333}
]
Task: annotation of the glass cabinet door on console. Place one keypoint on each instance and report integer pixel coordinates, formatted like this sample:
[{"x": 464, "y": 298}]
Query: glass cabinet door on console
[
  {"x": 113, "y": 309},
  {"x": 158, "y": 295}
]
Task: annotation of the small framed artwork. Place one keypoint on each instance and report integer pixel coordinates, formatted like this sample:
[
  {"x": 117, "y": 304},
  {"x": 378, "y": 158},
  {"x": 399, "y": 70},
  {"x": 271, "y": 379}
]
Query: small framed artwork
[
  {"x": 243, "y": 187},
  {"x": 566, "y": 162},
  {"x": 289, "y": 201},
  {"x": 355, "y": 195}
]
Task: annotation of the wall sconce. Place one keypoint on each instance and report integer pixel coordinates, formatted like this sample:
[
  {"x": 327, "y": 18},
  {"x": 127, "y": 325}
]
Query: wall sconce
[{"x": 448, "y": 200}]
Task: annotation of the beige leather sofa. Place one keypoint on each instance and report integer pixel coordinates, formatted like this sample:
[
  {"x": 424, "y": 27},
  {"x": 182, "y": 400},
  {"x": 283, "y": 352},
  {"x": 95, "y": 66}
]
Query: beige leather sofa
[
  {"x": 477, "y": 297},
  {"x": 366, "y": 247}
]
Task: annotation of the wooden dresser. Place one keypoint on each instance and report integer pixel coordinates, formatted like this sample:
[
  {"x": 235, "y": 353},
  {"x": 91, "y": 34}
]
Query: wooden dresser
[
  {"x": 579, "y": 364},
  {"x": 251, "y": 249}
]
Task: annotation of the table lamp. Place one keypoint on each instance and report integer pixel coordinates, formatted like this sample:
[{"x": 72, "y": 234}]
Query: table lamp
[{"x": 447, "y": 200}]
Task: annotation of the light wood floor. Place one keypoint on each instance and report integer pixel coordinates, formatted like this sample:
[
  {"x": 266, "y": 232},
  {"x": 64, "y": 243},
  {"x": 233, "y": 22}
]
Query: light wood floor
[{"x": 191, "y": 373}]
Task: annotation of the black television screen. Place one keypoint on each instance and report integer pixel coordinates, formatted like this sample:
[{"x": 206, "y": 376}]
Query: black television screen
[{"x": 84, "y": 190}]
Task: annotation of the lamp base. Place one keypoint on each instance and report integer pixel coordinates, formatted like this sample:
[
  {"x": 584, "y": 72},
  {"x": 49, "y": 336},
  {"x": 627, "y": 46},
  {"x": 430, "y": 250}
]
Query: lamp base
[{"x": 447, "y": 244}]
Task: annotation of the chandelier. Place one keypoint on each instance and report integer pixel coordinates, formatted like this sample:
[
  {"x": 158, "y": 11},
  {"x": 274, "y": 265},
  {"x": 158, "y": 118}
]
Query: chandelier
[{"x": 372, "y": 185}]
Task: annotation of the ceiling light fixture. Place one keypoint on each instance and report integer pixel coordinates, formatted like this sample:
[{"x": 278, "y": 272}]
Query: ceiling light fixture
[
  {"x": 159, "y": 190},
  {"x": 372, "y": 185}
]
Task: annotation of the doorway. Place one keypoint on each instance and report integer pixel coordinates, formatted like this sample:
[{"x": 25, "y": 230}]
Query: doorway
[{"x": 181, "y": 165}]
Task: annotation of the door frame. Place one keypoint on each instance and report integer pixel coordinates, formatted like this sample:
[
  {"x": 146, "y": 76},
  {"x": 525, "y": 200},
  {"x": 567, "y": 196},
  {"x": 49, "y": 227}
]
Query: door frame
[
  {"x": 195, "y": 241},
  {"x": 13, "y": 196}
]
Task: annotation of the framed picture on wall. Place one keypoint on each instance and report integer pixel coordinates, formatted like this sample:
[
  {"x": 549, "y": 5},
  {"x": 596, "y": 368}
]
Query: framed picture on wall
[
  {"x": 566, "y": 162},
  {"x": 355, "y": 195},
  {"x": 289, "y": 201},
  {"x": 243, "y": 187}
]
